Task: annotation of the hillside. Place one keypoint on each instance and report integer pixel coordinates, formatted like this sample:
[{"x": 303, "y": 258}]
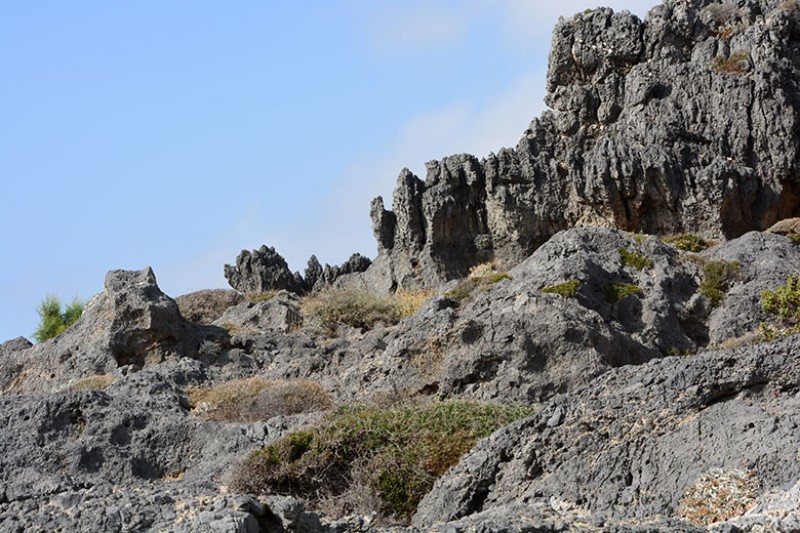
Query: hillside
[{"x": 593, "y": 331}]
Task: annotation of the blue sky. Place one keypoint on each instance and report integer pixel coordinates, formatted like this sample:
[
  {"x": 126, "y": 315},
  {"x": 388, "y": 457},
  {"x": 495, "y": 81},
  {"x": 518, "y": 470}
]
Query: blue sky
[{"x": 175, "y": 134}]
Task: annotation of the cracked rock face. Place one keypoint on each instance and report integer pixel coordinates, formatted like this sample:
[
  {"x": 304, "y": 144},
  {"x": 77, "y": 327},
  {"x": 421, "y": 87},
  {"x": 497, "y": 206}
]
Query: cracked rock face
[{"x": 684, "y": 122}]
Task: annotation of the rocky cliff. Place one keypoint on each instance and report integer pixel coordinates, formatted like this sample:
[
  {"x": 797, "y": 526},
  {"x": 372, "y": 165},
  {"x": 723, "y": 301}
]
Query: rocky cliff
[
  {"x": 684, "y": 122},
  {"x": 658, "y": 392}
]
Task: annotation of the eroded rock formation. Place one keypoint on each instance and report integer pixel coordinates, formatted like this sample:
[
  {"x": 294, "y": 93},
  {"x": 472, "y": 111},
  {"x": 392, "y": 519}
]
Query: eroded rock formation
[{"x": 684, "y": 122}]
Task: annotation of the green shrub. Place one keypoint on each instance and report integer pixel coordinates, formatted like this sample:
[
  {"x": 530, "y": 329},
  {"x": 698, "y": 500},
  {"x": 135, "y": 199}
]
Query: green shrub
[
  {"x": 688, "y": 242},
  {"x": 396, "y": 452},
  {"x": 614, "y": 292},
  {"x": 54, "y": 322},
  {"x": 717, "y": 278},
  {"x": 635, "y": 259},
  {"x": 784, "y": 302},
  {"x": 568, "y": 289}
]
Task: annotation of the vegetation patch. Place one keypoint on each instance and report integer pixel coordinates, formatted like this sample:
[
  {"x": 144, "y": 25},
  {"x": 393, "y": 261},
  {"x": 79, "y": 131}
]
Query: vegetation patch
[
  {"x": 717, "y": 496},
  {"x": 568, "y": 289},
  {"x": 99, "y": 382},
  {"x": 481, "y": 276},
  {"x": 357, "y": 308},
  {"x": 784, "y": 302},
  {"x": 395, "y": 453},
  {"x": 614, "y": 292},
  {"x": 54, "y": 322},
  {"x": 410, "y": 300},
  {"x": 258, "y": 297},
  {"x": 688, "y": 243},
  {"x": 256, "y": 399},
  {"x": 717, "y": 279},
  {"x": 635, "y": 259},
  {"x": 735, "y": 64}
]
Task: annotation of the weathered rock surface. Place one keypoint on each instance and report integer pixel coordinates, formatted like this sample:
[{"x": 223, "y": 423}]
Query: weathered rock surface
[
  {"x": 265, "y": 270},
  {"x": 684, "y": 122},
  {"x": 206, "y": 306},
  {"x": 262, "y": 270},
  {"x": 638, "y": 138},
  {"x": 629, "y": 445},
  {"x": 131, "y": 323}
]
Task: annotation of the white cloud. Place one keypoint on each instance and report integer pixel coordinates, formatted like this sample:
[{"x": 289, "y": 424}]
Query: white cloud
[{"x": 417, "y": 25}]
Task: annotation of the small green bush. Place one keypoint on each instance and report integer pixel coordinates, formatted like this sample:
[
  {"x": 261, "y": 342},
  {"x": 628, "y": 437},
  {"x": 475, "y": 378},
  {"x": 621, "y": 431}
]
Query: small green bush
[
  {"x": 635, "y": 259},
  {"x": 614, "y": 292},
  {"x": 784, "y": 302},
  {"x": 688, "y": 242},
  {"x": 397, "y": 452},
  {"x": 568, "y": 289},
  {"x": 54, "y": 322},
  {"x": 717, "y": 278}
]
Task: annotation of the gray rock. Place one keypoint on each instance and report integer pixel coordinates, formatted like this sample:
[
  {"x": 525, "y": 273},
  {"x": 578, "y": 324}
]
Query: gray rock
[
  {"x": 14, "y": 345},
  {"x": 262, "y": 270},
  {"x": 765, "y": 262},
  {"x": 638, "y": 138},
  {"x": 637, "y": 437},
  {"x": 206, "y": 306},
  {"x": 280, "y": 313},
  {"x": 130, "y": 324}
]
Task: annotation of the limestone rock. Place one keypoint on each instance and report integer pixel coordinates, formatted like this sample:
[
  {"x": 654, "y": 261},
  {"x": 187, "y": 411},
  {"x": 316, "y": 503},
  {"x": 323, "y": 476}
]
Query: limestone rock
[
  {"x": 262, "y": 270},
  {"x": 629, "y": 444},
  {"x": 206, "y": 306},
  {"x": 638, "y": 138},
  {"x": 130, "y": 323}
]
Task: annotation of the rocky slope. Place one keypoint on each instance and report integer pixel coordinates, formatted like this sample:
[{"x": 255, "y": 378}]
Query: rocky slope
[{"x": 658, "y": 404}]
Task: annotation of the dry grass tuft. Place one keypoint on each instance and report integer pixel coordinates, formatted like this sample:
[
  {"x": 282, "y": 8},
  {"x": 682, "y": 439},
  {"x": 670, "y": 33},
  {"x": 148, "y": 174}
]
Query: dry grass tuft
[
  {"x": 255, "y": 399},
  {"x": 92, "y": 383},
  {"x": 719, "y": 495}
]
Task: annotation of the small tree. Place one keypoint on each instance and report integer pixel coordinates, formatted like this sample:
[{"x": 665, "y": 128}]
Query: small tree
[{"x": 53, "y": 322}]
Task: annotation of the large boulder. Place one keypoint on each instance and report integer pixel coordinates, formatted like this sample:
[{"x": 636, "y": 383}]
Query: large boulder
[
  {"x": 131, "y": 323},
  {"x": 629, "y": 446}
]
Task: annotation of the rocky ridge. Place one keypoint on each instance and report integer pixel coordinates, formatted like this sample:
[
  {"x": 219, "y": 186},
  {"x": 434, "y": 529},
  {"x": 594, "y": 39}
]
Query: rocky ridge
[{"x": 645, "y": 365}]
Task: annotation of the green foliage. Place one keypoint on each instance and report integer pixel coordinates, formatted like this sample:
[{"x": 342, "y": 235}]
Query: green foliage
[
  {"x": 54, "y": 322},
  {"x": 396, "y": 453},
  {"x": 717, "y": 278},
  {"x": 784, "y": 302},
  {"x": 568, "y": 289},
  {"x": 688, "y": 242},
  {"x": 495, "y": 277},
  {"x": 635, "y": 259},
  {"x": 614, "y": 292}
]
